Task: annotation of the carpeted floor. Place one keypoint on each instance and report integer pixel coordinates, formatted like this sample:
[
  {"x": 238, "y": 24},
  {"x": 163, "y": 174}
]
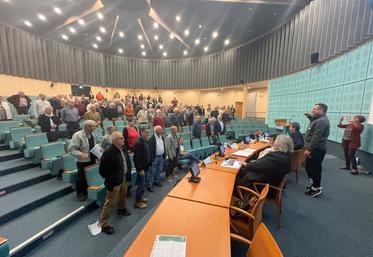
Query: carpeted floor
[{"x": 337, "y": 224}]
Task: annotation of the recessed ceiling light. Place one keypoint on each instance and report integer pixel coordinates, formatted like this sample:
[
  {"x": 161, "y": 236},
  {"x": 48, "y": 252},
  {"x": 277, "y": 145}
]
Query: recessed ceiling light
[
  {"x": 178, "y": 18},
  {"x": 275, "y": 13},
  {"x": 250, "y": 8},
  {"x": 226, "y": 42},
  {"x": 172, "y": 36},
  {"x": 161, "y": 47},
  {"x": 215, "y": 34},
  {"x": 57, "y": 10},
  {"x": 139, "y": 37},
  {"x": 143, "y": 53},
  {"x": 98, "y": 38},
  {"x": 142, "y": 46},
  {"x": 121, "y": 34},
  {"x": 65, "y": 37},
  {"x": 120, "y": 50},
  {"x": 197, "y": 41},
  {"x": 42, "y": 17},
  {"x": 100, "y": 16},
  {"x": 156, "y": 37},
  {"x": 185, "y": 52},
  {"x": 205, "y": 49},
  {"x": 186, "y": 32},
  {"x": 155, "y": 25},
  {"x": 81, "y": 22},
  {"x": 200, "y": 26},
  {"x": 72, "y": 30},
  {"x": 27, "y": 23},
  {"x": 6, "y": 1},
  {"x": 95, "y": 45},
  {"x": 102, "y": 29},
  {"x": 164, "y": 54}
]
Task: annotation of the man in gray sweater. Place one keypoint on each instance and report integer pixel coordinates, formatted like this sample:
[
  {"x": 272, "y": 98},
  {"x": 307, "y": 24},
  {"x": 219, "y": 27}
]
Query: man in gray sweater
[{"x": 316, "y": 144}]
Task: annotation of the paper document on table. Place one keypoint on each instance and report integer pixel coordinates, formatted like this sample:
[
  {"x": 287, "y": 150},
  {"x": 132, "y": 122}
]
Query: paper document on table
[
  {"x": 207, "y": 161},
  {"x": 97, "y": 151},
  {"x": 95, "y": 228},
  {"x": 169, "y": 246},
  {"x": 231, "y": 163},
  {"x": 242, "y": 153}
]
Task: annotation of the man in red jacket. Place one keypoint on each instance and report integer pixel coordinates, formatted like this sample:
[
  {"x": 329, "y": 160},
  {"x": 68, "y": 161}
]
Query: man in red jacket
[
  {"x": 100, "y": 97},
  {"x": 158, "y": 119}
]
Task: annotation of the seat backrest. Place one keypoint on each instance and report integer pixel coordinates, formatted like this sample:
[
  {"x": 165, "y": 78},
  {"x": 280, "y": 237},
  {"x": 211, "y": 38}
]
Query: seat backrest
[
  {"x": 68, "y": 162},
  {"x": 281, "y": 186},
  {"x": 205, "y": 141},
  {"x": 6, "y": 125},
  {"x": 257, "y": 210},
  {"x": 92, "y": 176},
  {"x": 51, "y": 150},
  {"x": 263, "y": 244},
  {"x": 36, "y": 140},
  {"x": 119, "y": 123},
  {"x": 21, "y": 118},
  {"x": 186, "y": 135},
  {"x": 98, "y": 132},
  {"x": 17, "y": 134},
  {"x": 196, "y": 143},
  {"x": 297, "y": 158},
  {"x": 106, "y": 123}
]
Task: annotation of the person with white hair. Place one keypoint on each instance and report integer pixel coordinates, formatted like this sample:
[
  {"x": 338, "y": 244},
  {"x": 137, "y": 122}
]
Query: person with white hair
[
  {"x": 158, "y": 155},
  {"x": 5, "y": 111},
  {"x": 269, "y": 169},
  {"x": 81, "y": 144},
  {"x": 158, "y": 119},
  {"x": 49, "y": 124},
  {"x": 40, "y": 105}
]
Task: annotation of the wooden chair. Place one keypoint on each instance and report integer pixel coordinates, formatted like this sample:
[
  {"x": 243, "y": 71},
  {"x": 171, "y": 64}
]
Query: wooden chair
[
  {"x": 245, "y": 220},
  {"x": 263, "y": 243},
  {"x": 277, "y": 199},
  {"x": 297, "y": 159}
]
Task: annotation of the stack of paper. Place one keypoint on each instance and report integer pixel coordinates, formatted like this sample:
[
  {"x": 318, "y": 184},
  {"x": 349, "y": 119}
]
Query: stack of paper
[
  {"x": 231, "y": 163},
  {"x": 245, "y": 153},
  {"x": 169, "y": 246}
]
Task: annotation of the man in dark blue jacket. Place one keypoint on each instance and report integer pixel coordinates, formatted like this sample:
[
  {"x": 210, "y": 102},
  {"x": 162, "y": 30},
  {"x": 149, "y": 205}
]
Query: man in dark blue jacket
[
  {"x": 297, "y": 137},
  {"x": 115, "y": 166}
]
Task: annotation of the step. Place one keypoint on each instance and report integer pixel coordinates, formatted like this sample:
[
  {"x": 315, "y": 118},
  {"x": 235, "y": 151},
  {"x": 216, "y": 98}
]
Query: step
[
  {"x": 4, "y": 146},
  {"x": 15, "y": 165},
  {"x": 6, "y": 155},
  {"x": 29, "y": 198},
  {"x": 19, "y": 180},
  {"x": 41, "y": 218}
]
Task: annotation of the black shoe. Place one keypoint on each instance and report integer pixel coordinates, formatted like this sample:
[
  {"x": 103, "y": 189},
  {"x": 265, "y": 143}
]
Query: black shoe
[
  {"x": 81, "y": 198},
  {"x": 150, "y": 190},
  {"x": 108, "y": 230},
  {"x": 158, "y": 184},
  {"x": 314, "y": 191},
  {"x": 124, "y": 212}
]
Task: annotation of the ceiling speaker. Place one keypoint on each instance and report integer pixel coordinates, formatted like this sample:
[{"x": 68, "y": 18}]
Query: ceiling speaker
[{"x": 314, "y": 58}]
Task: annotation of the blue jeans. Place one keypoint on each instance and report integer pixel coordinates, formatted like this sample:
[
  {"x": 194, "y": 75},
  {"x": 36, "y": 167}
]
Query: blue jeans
[
  {"x": 155, "y": 171},
  {"x": 140, "y": 183}
]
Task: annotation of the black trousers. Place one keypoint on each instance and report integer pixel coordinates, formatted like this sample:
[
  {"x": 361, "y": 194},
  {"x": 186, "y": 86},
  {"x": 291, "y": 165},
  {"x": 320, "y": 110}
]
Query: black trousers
[
  {"x": 72, "y": 127},
  {"x": 22, "y": 110},
  {"x": 81, "y": 182},
  {"x": 171, "y": 166},
  {"x": 350, "y": 153},
  {"x": 314, "y": 166}
]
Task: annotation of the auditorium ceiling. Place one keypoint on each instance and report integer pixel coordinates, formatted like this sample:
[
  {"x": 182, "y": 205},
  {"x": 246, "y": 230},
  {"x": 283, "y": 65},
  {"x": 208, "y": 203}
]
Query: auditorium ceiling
[{"x": 155, "y": 29}]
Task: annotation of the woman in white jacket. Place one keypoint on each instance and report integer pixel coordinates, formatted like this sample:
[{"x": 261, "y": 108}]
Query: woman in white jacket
[{"x": 5, "y": 112}]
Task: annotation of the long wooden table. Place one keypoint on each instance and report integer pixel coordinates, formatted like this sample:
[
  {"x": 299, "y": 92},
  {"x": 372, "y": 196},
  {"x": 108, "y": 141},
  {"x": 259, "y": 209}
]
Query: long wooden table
[
  {"x": 205, "y": 226},
  {"x": 215, "y": 188}
]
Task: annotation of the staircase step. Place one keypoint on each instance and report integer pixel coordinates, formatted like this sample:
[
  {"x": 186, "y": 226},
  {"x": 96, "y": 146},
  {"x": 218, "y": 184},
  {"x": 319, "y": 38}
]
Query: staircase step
[
  {"x": 6, "y": 155},
  {"x": 22, "y": 201},
  {"x": 4, "y": 146},
  {"x": 41, "y": 218},
  {"x": 15, "y": 165},
  {"x": 19, "y": 180}
]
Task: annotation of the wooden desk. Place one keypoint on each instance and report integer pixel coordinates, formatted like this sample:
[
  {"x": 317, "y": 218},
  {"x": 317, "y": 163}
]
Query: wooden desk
[
  {"x": 205, "y": 226},
  {"x": 216, "y": 165},
  {"x": 215, "y": 188}
]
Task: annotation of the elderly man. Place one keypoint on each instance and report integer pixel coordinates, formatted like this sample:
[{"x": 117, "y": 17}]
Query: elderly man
[
  {"x": 70, "y": 115},
  {"x": 142, "y": 160},
  {"x": 21, "y": 102},
  {"x": 172, "y": 150},
  {"x": 81, "y": 144},
  {"x": 49, "y": 123},
  {"x": 212, "y": 131},
  {"x": 197, "y": 128},
  {"x": 41, "y": 104},
  {"x": 220, "y": 125},
  {"x": 269, "y": 169},
  {"x": 175, "y": 118},
  {"x": 5, "y": 112},
  {"x": 115, "y": 166},
  {"x": 158, "y": 119},
  {"x": 142, "y": 115},
  {"x": 158, "y": 155}
]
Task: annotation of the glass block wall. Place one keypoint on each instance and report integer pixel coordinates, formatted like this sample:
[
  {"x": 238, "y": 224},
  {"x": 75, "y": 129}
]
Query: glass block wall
[{"x": 345, "y": 84}]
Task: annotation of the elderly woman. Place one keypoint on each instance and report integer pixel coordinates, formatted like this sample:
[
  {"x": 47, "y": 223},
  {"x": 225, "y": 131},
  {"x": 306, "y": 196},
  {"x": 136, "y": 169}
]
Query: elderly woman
[
  {"x": 5, "y": 112},
  {"x": 130, "y": 134},
  {"x": 92, "y": 114},
  {"x": 49, "y": 123},
  {"x": 269, "y": 169}
]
